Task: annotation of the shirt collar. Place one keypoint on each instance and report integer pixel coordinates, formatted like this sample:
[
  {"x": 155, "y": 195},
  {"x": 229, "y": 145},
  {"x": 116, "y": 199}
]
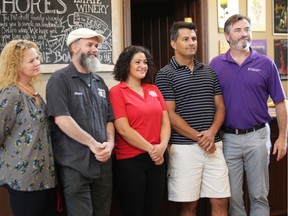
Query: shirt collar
[
  {"x": 176, "y": 65},
  {"x": 227, "y": 56},
  {"x": 75, "y": 73},
  {"x": 122, "y": 84}
]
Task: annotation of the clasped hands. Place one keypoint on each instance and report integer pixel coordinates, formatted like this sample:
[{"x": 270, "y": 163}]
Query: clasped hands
[
  {"x": 156, "y": 154},
  {"x": 206, "y": 140},
  {"x": 102, "y": 151}
]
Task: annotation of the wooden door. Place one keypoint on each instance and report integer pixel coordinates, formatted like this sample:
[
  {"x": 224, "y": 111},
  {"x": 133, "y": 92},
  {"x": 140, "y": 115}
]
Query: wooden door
[{"x": 148, "y": 22}]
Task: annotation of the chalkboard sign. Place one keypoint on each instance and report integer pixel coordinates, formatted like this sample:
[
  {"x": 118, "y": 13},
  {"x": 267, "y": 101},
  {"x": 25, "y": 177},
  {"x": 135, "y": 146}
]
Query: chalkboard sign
[{"x": 48, "y": 23}]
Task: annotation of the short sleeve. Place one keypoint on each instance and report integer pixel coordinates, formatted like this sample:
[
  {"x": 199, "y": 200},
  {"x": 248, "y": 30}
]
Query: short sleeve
[
  {"x": 161, "y": 98},
  {"x": 276, "y": 90},
  {"x": 164, "y": 84},
  {"x": 118, "y": 102},
  {"x": 57, "y": 96}
]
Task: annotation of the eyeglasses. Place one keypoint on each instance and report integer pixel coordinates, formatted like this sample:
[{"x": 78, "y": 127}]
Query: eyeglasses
[{"x": 22, "y": 45}]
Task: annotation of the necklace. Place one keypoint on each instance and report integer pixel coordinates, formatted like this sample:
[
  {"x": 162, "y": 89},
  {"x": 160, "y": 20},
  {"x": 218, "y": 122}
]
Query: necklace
[{"x": 34, "y": 93}]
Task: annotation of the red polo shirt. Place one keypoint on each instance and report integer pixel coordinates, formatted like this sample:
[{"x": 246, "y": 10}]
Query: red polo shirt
[{"x": 144, "y": 115}]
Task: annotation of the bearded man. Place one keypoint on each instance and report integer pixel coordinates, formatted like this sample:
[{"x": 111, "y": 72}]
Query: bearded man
[
  {"x": 247, "y": 79},
  {"x": 82, "y": 128}
]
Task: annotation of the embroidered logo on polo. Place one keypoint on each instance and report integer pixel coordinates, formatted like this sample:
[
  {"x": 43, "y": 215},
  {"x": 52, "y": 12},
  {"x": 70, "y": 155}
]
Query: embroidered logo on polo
[
  {"x": 152, "y": 93},
  {"x": 101, "y": 93},
  {"x": 254, "y": 69},
  {"x": 78, "y": 93}
]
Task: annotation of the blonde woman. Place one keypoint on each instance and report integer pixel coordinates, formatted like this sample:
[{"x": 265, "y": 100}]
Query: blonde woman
[{"x": 26, "y": 157}]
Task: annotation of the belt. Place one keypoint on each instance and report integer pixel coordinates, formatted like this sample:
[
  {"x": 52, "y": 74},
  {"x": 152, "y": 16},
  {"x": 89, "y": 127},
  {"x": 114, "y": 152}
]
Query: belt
[{"x": 240, "y": 131}]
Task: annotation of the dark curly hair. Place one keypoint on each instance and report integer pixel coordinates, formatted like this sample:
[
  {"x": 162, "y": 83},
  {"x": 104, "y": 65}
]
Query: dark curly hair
[{"x": 122, "y": 66}]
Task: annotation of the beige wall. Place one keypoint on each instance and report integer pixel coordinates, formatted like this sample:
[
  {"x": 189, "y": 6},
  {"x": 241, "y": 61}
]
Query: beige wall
[{"x": 214, "y": 37}]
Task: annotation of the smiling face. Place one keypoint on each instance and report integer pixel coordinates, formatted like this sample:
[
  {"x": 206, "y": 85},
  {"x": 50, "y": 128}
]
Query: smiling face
[
  {"x": 138, "y": 66},
  {"x": 240, "y": 36},
  {"x": 30, "y": 66},
  {"x": 86, "y": 50},
  {"x": 186, "y": 43}
]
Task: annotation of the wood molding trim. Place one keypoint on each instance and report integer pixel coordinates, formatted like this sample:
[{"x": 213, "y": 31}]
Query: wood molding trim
[
  {"x": 203, "y": 6},
  {"x": 127, "y": 22}
]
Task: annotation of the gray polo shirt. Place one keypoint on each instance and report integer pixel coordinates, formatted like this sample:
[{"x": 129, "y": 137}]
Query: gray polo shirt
[{"x": 86, "y": 100}]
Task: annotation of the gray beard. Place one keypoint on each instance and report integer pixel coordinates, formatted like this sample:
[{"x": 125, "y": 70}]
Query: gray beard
[
  {"x": 241, "y": 45},
  {"x": 91, "y": 64}
]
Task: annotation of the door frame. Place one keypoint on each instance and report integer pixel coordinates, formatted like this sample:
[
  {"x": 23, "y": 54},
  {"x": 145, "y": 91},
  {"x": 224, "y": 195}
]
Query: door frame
[{"x": 203, "y": 32}]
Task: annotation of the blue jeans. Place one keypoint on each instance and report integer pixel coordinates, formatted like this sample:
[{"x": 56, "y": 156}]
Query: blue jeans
[
  {"x": 250, "y": 153},
  {"x": 86, "y": 196}
]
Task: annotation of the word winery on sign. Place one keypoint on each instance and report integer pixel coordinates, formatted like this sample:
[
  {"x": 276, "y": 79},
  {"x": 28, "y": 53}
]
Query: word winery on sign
[
  {"x": 87, "y": 8},
  {"x": 88, "y": 1}
]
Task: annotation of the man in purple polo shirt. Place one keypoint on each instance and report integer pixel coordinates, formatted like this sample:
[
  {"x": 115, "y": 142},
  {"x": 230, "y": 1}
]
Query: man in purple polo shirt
[{"x": 247, "y": 79}]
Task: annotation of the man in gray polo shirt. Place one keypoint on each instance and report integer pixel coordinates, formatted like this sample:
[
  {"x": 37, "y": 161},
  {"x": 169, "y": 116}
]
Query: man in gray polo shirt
[{"x": 82, "y": 130}]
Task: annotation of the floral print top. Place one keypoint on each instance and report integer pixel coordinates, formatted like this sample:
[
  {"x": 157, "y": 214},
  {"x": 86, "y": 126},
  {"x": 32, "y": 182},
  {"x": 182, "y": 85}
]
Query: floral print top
[{"x": 26, "y": 156}]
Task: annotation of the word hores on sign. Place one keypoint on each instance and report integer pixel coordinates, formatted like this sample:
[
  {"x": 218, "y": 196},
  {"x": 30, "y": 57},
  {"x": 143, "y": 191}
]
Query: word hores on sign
[{"x": 33, "y": 6}]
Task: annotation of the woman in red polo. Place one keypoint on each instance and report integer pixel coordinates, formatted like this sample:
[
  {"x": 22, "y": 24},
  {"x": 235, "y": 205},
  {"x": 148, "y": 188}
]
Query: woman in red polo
[{"x": 143, "y": 132}]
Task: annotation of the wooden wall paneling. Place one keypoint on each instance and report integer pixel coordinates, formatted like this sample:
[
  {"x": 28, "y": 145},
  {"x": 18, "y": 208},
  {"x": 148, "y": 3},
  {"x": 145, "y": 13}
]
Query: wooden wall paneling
[
  {"x": 152, "y": 29},
  {"x": 159, "y": 49},
  {"x": 5, "y": 209},
  {"x": 181, "y": 9},
  {"x": 156, "y": 38},
  {"x": 148, "y": 33},
  {"x": 164, "y": 38},
  {"x": 202, "y": 21},
  {"x": 198, "y": 10},
  {"x": 278, "y": 179},
  {"x": 196, "y": 13},
  {"x": 127, "y": 22}
]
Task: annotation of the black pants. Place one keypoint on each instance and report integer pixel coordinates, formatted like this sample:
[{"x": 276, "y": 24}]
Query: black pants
[
  {"x": 87, "y": 196},
  {"x": 34, "y": 203},
  {"x": 140, "y": 184}
]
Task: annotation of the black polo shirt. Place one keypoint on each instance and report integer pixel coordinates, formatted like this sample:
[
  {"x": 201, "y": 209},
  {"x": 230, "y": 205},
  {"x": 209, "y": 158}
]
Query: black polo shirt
[
  {"x": 86, "y": 99},
  {"x": 194, "y": 95}
]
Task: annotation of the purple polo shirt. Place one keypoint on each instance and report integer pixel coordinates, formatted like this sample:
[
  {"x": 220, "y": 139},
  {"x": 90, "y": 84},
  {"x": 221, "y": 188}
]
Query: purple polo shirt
[{"x": 247, "y": 87}]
